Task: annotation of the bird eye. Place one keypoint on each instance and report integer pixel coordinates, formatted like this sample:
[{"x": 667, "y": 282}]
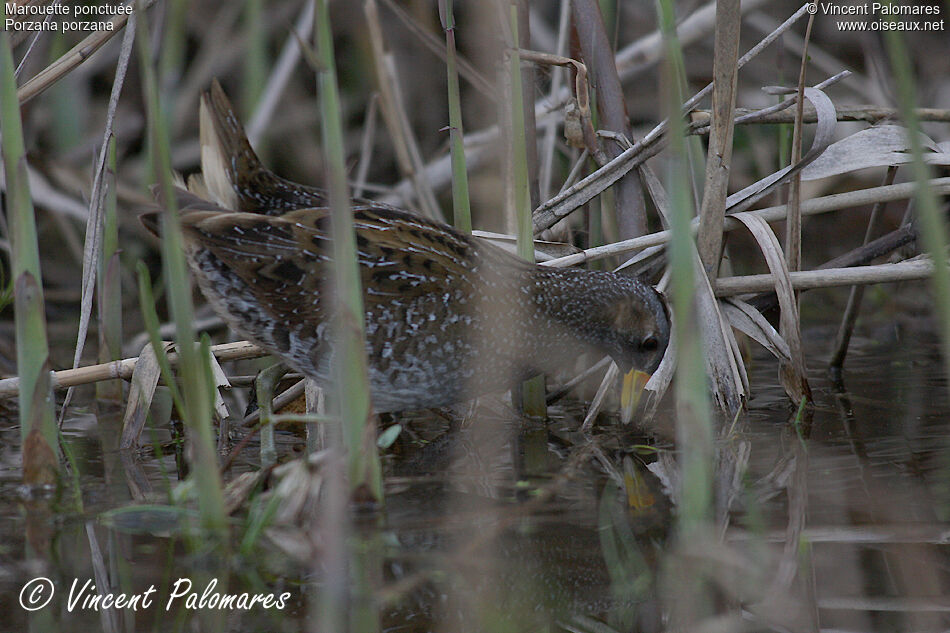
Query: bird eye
[{"x": 649, "y": 344}]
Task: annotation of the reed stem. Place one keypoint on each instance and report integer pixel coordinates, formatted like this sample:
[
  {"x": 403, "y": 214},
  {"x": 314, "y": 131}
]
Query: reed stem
[
  {"x": 352, "y": 382},
  {"x": 460, "y": 200},
  {"x": 196, "y": 391},
  {"x": 37, "y": 424}
]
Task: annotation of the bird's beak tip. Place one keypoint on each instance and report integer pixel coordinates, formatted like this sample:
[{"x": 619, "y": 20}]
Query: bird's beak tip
[{"x": 633, "y": 383}]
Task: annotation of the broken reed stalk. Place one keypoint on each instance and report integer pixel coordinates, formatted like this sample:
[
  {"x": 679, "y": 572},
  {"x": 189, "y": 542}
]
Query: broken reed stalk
[
  {"x": 408, "y": 154},
  {"x": 352, "y": 400},
  {"x": 37, "y": 422},
  {"x": 461, "y": 214},
  {"x": 196, "y": 381},
  {"x": 719, "y": 154},
  {"x": 122, "y": 369}
]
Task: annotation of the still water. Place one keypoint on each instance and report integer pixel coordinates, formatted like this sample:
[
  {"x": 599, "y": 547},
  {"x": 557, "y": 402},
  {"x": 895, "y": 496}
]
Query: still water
[{"x": 835, "y": 519}]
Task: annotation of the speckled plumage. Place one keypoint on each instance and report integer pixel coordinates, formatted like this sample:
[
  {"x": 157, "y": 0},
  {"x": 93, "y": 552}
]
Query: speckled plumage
[{"x": 447, "y": 316}]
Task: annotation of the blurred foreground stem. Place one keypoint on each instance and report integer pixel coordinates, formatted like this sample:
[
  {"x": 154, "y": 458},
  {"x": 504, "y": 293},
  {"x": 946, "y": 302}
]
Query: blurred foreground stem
[
  {"x": 37, "y": 423},
  {"x": 352, "y": 383}
]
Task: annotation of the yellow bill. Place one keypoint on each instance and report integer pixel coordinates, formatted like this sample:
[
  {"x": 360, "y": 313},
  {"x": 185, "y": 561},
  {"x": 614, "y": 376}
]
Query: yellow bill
[{"x": 633, "y": 383}]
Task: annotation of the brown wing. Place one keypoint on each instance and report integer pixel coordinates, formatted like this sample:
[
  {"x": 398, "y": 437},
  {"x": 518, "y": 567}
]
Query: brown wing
[
  {"x": 280, "y": 264},
  {"x": 284, "y": 260},
  {"x": 400, "y": 255}
]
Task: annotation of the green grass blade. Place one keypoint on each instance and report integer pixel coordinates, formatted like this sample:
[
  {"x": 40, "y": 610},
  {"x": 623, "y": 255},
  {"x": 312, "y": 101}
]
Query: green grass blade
[
  {"x": 36, "y": 403},
  {"x": 196, "y": 394},
  {"x": 533, "y": 389},
  {"x": 460, "y": 197},
  {"x": 352, "y": 382}
]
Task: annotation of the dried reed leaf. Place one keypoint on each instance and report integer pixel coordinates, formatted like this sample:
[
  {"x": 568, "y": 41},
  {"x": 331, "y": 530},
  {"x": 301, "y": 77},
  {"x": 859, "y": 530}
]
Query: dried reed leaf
[
  {"x": 722, "y": 365},
  {"x": 40, "y": 463},
  {"x": 221, "y": 383},
  {"x": 824, "y": 134},
  {"x": 877, "y": 146},
  {"x": 145, "y": 378},
  {"x": 96, "y": 217},
  {"x": 791, "y": 374},
  {"x": 610, "y": 379},
  {"x": 661, "y": 379},
  {"x": 750, "y": 322},
  {"x": 543, "y": 250}
]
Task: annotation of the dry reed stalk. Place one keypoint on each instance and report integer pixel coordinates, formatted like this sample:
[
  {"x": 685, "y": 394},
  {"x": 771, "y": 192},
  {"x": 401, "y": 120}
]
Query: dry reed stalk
[
  {"x": 611, "y": 105},
  {"x": 719, "y": 154},
  {"x": 397, "y": 120},
  {"x": 241, "y": 350},
  {"x": 75, "y": 56},
  {"x": 909, "y": 270},
  {"x": 867, "y": 113},
  {"x": 824, "y": 204}
]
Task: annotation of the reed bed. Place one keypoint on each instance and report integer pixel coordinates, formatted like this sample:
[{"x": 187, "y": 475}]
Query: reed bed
[{"x": 535, "y": 120}]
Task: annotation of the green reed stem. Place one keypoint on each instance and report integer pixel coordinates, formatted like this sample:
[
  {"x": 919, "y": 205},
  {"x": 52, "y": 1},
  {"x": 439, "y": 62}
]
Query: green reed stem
[
  {"x": 352, "y": 380},
  {"x": 109, "y": 300},
  {"x": 32, "y": 350},
  {"x": 150, "y": 320},
  {"x": 460, "y": 198},
  {"x": 932, "y": 232},
  {"x": 198, "y": 400},
  {"x": 255, "y": 61},
  {"x": 694, "y": 436},
  {"x": 533, "y": 389},
  {"x": 173, "y": 45},
  {"x": 266, "y": 385},
  {"x": 694, "y": 430}
]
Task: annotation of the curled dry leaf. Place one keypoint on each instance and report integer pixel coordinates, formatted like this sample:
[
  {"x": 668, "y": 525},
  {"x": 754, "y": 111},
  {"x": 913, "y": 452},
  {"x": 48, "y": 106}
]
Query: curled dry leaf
[
  {"x": 750, "y": 322},
  {"x": 792, "y": 374},
  {"x": 877, "y": 146},
  {"x": 610, "y": 379},
  {"x": 824, "y": 134},
  {"x": 722, "y": 363},
  {"x": 145, "y": 378},
  {"x": 220, "y": 382}
]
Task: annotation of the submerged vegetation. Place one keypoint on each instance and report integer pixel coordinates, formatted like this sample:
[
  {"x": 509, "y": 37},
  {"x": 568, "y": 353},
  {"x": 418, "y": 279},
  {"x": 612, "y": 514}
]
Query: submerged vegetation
[{"x": 734, "y": 155}]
